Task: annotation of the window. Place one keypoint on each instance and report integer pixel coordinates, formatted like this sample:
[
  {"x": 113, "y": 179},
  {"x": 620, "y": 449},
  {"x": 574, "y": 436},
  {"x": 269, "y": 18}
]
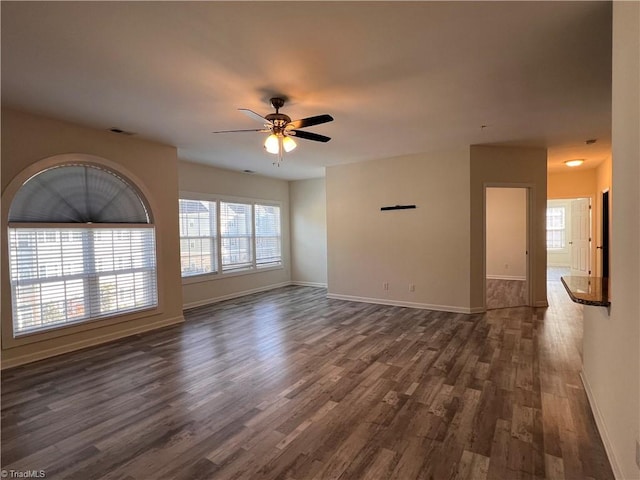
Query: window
[
  {"x": 268, "y": 238},
  {"x": 198, "y": 253},
  {"x": 249, "y": 236},
  {"x": 555, "y": 228},
  {"x": 236, "y": 232},
  {"x": 75, "y": 258}
]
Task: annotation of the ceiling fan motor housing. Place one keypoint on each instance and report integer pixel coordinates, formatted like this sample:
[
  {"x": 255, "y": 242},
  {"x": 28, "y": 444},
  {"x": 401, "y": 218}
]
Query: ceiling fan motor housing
[{"x": 279, "y": 120}]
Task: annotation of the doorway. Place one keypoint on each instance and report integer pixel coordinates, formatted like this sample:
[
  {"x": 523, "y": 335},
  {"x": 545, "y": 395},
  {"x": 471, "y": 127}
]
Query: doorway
[
  {"x": 569, "y": 249},
  {"x": 604, "y": 248},
  {"x": 506, "y": 247}
]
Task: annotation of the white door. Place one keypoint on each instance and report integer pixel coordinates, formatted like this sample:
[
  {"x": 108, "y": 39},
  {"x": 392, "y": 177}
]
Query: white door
[{"x": 580, "y": 242}]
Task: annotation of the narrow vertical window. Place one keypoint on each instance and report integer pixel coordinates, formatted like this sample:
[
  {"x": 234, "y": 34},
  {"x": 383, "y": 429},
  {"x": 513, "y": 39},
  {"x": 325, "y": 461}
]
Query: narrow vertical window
[
  {"x": 198, "y": 244},
  {"x": 556, "y": 228},
  {"x": 236, "y": 235},
  {"x": 268, "y": 236}
]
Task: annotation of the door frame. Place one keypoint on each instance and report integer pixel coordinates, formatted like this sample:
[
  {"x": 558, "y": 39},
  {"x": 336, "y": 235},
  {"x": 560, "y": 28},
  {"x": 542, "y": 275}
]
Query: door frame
[
  {"x": 592, "y": 224},
  {"x": 530, "y": 246}
]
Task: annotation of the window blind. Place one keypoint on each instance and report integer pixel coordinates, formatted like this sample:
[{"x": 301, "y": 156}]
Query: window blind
[
  {"x": 236, "y": 234},
  {"x": 268, "y": 236},
  {"x": 61, "y": 275},
  {"x": 77, "y": 194},
  {"x": 556, "y": 227},
  {"x": 198, "y": 243}
]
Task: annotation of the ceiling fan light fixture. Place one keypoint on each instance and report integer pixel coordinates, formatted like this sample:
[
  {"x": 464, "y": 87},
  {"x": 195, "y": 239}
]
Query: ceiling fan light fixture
[
  {"x": 288, "y": 143},
  {"x": 574, "y": 163},
  {"x": 280, "y": 127},
  {"x": 271, "y": 144}
]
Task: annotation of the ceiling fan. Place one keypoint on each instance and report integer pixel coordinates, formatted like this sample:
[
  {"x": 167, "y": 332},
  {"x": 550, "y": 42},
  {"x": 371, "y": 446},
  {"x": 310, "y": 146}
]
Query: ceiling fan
[{"x": 281, "y": 128}]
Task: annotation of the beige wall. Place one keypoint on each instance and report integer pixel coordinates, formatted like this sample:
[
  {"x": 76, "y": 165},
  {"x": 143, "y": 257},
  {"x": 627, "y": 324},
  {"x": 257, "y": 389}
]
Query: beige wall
[
  {"x": 308, "y": 232},
  {"x": 28, "y": 141},
  {"x": 507, "y": 233},
  {"x": 427, "y": 247},
  {"x": 509, "y": 166},
  {"x": 572, "y": 183},
  {"x": 611, "y": 352},
  {"x": 201, "y": 179}
]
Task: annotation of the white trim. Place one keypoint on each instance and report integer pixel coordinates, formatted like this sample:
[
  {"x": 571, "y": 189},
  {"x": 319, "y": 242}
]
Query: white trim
[
  {"x": 473, "y": 310},
  {"x": 506, "y": 277},
  {"x": 90, "y": 342},
  {"x": 602, "y": 428},
  {"x": 209, "y": 301},
  {"x": 553, "y": 264},
  {"x": 400, "y": 303},
  {"x": 210, "y": 277},
  {"x": 309, "y": 284},
  {"x": 213, "y": 197}
]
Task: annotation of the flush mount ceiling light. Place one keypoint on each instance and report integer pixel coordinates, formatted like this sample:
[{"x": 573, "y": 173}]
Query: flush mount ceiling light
[
  {"x": 574, "y": 163},
  {"x": 281, "y": 128}
]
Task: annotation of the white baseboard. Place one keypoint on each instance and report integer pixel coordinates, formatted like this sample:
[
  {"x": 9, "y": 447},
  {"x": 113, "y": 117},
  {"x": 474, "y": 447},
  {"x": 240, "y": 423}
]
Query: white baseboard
[
  {"x": 91, "y": 342},
  {"x": 602, "y": 429},
  {"x": 477, "y": 310},
  {"x": 400, "y": 303},
  {"x": 209, "y": 301},
  {"x": 506, "y": 277},
  {"x": 309, "y": 284},
  {"x": 552, "y": 264},
  {"x": 541, "y": 304}
]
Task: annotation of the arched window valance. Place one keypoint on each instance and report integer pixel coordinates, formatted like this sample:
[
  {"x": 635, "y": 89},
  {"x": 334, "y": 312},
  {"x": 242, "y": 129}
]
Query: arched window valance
[{"x": 77, "y": 194}]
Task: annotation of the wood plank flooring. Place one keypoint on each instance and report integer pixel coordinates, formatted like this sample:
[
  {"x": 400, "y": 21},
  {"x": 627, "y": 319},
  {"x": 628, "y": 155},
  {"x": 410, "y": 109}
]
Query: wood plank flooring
[
  {"x": 291, "y": 385},
  {"x": 506, "y": 293}
]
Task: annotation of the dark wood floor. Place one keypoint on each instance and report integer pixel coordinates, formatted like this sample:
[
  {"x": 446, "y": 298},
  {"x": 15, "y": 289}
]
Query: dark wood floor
[{"x": 291, "y": 385}]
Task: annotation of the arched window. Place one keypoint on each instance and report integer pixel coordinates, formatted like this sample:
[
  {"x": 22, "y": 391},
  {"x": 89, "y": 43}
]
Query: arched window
[{"x": 81, "y": 247}]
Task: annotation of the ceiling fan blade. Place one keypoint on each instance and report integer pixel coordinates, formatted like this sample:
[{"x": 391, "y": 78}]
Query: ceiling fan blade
[
  {"x": 310, "y": 121},
  {"x": 309, "y": 136},
  {"x": 254, "y": 115},
  {"x": 250, "y": 130}
]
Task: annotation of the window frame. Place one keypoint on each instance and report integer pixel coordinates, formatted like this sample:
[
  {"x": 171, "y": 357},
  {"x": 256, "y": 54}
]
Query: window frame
[
  {"x": 253, "y": 268},
  {"x": 214, "y": 233},
  {"x": 148, "y": 316}
]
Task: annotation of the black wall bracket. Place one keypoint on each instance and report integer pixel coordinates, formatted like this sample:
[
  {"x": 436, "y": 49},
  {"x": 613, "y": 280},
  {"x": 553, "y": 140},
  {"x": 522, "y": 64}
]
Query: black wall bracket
[{"x": 397, "y": 207}]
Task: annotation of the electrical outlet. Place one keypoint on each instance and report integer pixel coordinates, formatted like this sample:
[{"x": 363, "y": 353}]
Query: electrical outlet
[
  {"x": 638, "y": 453},
  {"x": 412, "y": 287},
  {"x": 385, "y": 285}
]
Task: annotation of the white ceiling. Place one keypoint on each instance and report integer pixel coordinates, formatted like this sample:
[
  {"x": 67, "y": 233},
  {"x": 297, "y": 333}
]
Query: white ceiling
[{"x": 398, "y": 77}]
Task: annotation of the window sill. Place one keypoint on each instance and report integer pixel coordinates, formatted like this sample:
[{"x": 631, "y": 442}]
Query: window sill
[
  {"x": 208, "y": 277},
  {"x": 9, "y": 341}
]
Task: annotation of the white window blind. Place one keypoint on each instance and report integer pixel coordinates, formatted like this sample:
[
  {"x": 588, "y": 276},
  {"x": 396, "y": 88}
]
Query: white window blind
[
  {"x": 556, "y": 228},
  {"x": 218, "y": 236},
  {"x": 236, "y": 235},
  {"x": 62, "y": 275},
  {"x": 268, "y": 236},
  {"x": 198, "y": 244}
]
